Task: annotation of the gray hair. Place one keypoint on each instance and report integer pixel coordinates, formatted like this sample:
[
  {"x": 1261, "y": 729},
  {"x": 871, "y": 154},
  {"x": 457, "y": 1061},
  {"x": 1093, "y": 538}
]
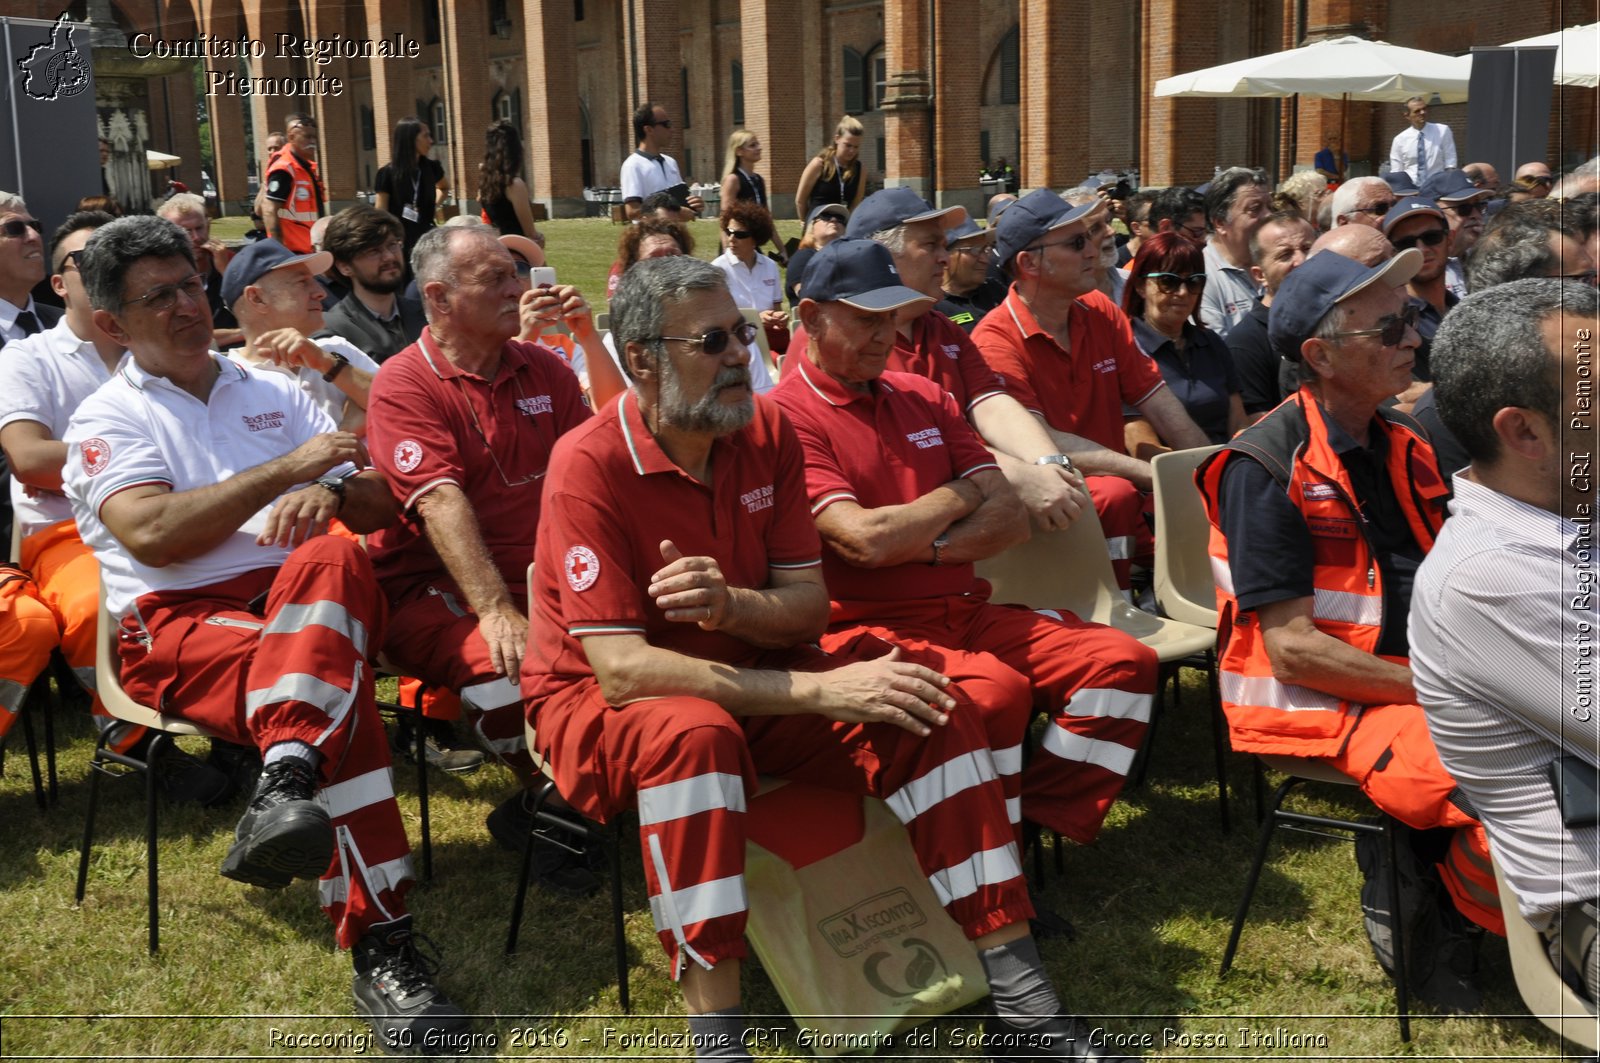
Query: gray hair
[
  {"x": 12, "y": 203},
  {"x": 1586, "y": 178},
  {"x": 1347, "y": 195},
  {"x": 1302, "y": 187},
  {"x": 114, "y": 249},
  {"x": 181, "y": 203},
  {"x": 1489, "y": 354},
  {"x": 647, "y": 289},
  {"x": 433, "y": 257},
  {"x": 894, "y": 239},
  {"x": 1517, "y": 245},
  {"x": 1225, "y": 189},
  {"x": 1080, "y": 195}
]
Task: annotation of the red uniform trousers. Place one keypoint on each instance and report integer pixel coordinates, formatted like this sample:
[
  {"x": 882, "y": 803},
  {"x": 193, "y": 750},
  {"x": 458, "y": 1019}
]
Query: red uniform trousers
[
  {"x": 1129, "y": 539},
  {"x": 689, "y": 766},
  {"x": 60, "y": 606},
  {"x": 433, "y": 635},
  {"x": 1094, "y": 682},
  {"x": 293, "y": 669},
  {"x": 1391, "y": 755}
]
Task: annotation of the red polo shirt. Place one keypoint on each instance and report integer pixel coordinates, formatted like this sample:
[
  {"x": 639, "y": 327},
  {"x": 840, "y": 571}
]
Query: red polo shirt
[
  {"x": 1083, "y": 390},
  {"x": 429, "y": 423},
  {"x": 885, "y": 446},
  {"x": 940, "y": 350},
  {"x": 614, "y": 495}
]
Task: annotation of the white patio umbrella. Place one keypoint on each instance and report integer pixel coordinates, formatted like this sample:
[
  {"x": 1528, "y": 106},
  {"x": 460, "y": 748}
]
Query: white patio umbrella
[
  {"x": 1350, "y": 67},
  {"x": 1577, "y": 53},
  {"x": 160, "y": 160}
]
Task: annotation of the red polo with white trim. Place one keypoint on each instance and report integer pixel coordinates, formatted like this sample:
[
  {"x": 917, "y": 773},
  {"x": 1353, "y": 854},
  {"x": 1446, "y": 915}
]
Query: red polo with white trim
[
  {"x": 941, "y": 351},
  {"x": 1082, "y": 390},
  {"x": 885, "y": 446},
  {"x": 431, "y": 423}
]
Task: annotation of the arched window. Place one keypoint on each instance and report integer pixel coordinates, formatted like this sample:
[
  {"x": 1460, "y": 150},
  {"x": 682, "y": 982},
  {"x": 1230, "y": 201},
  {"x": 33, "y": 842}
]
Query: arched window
[
  {"x": 439, "y": 120},
  {"x": 736, "y": 90}
]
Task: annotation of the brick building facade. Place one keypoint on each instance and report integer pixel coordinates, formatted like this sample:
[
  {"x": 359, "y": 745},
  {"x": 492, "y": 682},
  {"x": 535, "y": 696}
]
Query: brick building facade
[{"x": 1061, "y": 88}]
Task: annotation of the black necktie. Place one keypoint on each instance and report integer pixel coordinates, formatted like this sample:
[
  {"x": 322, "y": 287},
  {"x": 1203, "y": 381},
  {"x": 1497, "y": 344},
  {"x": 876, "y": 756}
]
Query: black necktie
[{"x": 27, "y": 323}]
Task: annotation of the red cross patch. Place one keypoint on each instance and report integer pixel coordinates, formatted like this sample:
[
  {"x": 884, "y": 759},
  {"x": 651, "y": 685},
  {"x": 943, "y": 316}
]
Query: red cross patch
[
  {"x": 582, "y": 567},
  {"x": 96, "y": 455},
  {"x": 407, "y": 455}
]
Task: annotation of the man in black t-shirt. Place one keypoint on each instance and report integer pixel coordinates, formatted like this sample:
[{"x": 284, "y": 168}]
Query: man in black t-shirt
[
  {"x": 1279, "y": 246},
  {"x": 969, "y": 292}
]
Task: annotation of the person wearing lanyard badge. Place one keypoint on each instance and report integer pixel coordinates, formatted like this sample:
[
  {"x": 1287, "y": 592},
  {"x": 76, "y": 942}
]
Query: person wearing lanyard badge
[{"x": 412, "y": 180}]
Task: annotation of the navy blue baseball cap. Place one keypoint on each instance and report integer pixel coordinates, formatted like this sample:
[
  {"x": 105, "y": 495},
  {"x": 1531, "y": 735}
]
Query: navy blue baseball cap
[
  {"x": 261, "y": 257},
  {"x": 859, "y": 273},
  {"x": 1453, "y": 186},
  {"x": 889, "y": 208},
  {"x": 966, "y": 231},
  {"x": 1410, "y": 207},
  {"x": 1030, "y": 217},
  {"x": 1400, "y": 183},
  {"x": 1323, "y": 281}
]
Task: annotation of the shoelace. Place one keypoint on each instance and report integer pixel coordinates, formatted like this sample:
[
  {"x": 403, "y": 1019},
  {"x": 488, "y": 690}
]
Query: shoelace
[
  {"x": 411, "y": 968},
  {"x": 290, "y": 774}
]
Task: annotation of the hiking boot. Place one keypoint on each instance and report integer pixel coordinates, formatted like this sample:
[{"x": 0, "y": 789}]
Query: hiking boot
[
  {"x": 188, "y": 780},
  {"x": 285, "y": 833},
  {"x": 439, "y": 747},
  {"x": 559, "y": 859},
  {"x": 1059, "y": 1037},
  {"x": 1380, "y": 923},
  {"x": 395, "y": 993},
  {"x": 1442, "y": 958}
]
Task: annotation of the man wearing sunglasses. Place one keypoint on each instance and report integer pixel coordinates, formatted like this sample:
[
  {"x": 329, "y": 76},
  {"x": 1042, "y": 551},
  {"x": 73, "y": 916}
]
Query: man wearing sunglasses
[
  {"x": 461, "y": 424},
  {"x": 1533, "y": 180},
  {"x": 204, "y": 489},
  {"x": 21, "y": 267},
  {"x": 1320, "y": 514},
  {"x": 1419, "y": 223},
  {"x": 1464, "y": 205},
  {"x": 968, "y": 291},
  {"x": 1362, "y": 201},
  {"x": 294, "y": 199},
  {"x": 678, "y": 592},
  {"x": 649, "y": 169}
]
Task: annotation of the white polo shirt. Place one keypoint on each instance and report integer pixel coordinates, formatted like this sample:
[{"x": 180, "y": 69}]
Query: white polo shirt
[
  {"x": 325, "y": 393},
  {"x": 140, "y": 430},
  {"x": 644, "y": 175},
  {"x": 44, "y": 378},
  {"x": 755, "y": 286},
  {"x": 1229, "y": 294}
]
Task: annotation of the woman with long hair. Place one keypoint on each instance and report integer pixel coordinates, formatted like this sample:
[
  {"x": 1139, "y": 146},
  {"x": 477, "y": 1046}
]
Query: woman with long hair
[
  {"x": 741, "y": 183},
  {"x": 836, "y": 174},
  {"x": 1162, "y": 299},
  {"x": 503, "y": 194},
  {"x": 409, "y": 186}
]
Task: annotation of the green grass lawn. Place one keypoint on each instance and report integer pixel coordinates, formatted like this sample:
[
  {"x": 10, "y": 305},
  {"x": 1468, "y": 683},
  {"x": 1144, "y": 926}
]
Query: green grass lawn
[{"x": 1152, "y": 900}]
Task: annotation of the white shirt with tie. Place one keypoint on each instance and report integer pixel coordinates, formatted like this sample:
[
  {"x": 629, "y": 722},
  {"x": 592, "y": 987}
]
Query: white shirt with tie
[
  {"x": 1437, "y": 147},
  {"x": 9, "y": 329}
]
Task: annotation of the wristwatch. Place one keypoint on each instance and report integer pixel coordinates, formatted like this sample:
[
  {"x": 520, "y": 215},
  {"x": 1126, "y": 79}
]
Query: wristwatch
[
  {"x": 340, "y": 363},
  {"x": 1056, "y": 459},
  {"x": 334, "y": 484},
  {"x": 938, "y": 549}
]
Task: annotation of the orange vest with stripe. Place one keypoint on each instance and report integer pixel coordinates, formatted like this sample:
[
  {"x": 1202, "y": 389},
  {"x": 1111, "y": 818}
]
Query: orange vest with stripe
[
  {"x": 299, "y": 212},
  {"x": 1264, "y": 714}
]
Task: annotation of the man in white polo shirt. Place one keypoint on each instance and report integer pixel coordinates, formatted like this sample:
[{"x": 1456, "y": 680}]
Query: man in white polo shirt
[
  {"x": 650, "y": 169},
  {"x": 203, "y": 488}
]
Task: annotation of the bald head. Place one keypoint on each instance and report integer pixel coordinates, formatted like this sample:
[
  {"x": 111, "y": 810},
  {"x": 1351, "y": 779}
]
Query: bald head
[{"x": 1363, "y": 243}]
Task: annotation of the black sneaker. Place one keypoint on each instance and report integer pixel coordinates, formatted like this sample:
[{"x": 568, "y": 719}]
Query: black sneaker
[
  {"x": 440, "y": 747},
  {"x": 188, "y": 780},
  {"x": 285, "y": 833},
  {"x": 1380, "y": 923},
  {"x": 395, "y": 993},
  {"x": 1442, "y": 957},
  {"x": 555, "y": 863},
  {"x": 1058, "y": 1037}
]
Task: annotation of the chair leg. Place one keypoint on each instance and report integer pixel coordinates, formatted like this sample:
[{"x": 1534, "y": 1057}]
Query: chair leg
[
  {"x": 1219, "y": 739},
  {"x": 1402, "y": 993},
  {"x": 526, "y": 874},
  {"x": 88, "y": 819},
  {"x": 619, "y": 939},
  {"x": 26, "y": 711},
  {"x": 50, "y": 753},
  {"x": 1267, "y": 829},
  {"x": 1148, "y": 746},
  {"x": 422, "y": 787},
  {"x": 152, "y": 884}
]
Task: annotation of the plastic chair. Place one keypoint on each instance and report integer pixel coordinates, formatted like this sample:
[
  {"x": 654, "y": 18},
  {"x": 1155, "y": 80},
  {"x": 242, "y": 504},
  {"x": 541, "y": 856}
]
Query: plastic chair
[
  {"x": 37, "y": 695},
  {"x": 108, "y": 684},
  {"x": 1302, "y": 770},
  {"x": 1548, "y": 997},
  {"x": 754, "y": 317}
]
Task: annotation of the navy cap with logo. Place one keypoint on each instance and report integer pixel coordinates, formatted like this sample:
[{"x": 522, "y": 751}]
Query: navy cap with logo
[
  {"x": 1453, "y": 186},
  {"x": 1410, "y": 207},
  {"x": 261, "y": 257},
  {"x": 1030, "y": 217},
  {"x": 837, "y": 210},
  {"x": 1319, "y": 284},
  {"x": 889, "y": 208},
  {"x": 859, "y": 273}
]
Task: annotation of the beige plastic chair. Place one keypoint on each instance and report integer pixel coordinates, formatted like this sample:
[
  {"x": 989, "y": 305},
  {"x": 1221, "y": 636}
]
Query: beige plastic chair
[
  {"x": 754, "y": 317},
  {"x": 1550, "y": 999},
  {"x": 108, "y": 684},
  {"x": 602, "y": 321},
  {"x": 1184, "y": 587}
]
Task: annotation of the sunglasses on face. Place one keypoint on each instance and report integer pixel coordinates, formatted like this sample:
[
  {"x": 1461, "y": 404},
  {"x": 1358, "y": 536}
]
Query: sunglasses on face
[
  {"x": 1375, "y": 209},
  {"x": 1393, "y": 329},
  {"x": 14, "y": 228},
  {"x": 665, "y": 123},
  {"x": 737, "y": 234},
  {"x": 74, "y": 258},
  {"x": 1465, "y": 210},
  {"x": 1431, "y": 238},
  {"x": 715, "y": 341},
  {"x": 1172, "y": 283}
]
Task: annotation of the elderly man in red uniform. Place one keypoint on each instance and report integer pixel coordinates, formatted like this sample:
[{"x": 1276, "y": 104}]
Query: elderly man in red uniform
[
  {"x": 906, "y": 499},
  {"x": 1068, "y": 356},
  {"x": 678, "y": 588},
  {"x": 462, "y": 423},
  {"x": 1320, "y": 514}
]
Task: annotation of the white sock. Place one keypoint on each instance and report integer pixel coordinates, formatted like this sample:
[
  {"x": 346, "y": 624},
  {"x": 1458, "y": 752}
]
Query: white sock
[{"x": 278, "y": 750}]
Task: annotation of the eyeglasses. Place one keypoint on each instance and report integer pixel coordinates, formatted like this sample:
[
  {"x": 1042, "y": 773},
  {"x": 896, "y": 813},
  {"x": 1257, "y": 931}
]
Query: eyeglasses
[
  {"x": 978, "y": 251},
  {"x": 1375, "y": 209},
  {"x": 1465, "y": 210},
  {"x": 737, "y": 234},
  {"x": 1431, "y": 238},
  {"x": 1540, "y": 179},
  {"x": 14, "y": 228},
  {"x": 524, "y": 267},
  {"x": 1193, "y": 232},
  {"x": 162, "y": 299},
  {"x": 393, "y": 247},
  {"x": 1393, "y": 329},
  {"x": 1076, "y": 244},
  {"x": 715, "y": 341},
  {"x": 1172, "y": 283}
]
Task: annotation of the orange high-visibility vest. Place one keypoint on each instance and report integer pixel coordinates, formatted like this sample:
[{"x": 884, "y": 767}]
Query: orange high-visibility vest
[
  {"x": 1264, "y": 714},
  {"x": 303, "y": 208}
]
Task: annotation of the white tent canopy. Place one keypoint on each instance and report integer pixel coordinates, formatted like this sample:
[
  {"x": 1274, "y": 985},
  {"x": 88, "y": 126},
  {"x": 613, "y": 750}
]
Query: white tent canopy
[
  {"x": 1347, "y": 66},
  {"x": 160, "y": 160},
  {"x": 1577, "y": 53}
]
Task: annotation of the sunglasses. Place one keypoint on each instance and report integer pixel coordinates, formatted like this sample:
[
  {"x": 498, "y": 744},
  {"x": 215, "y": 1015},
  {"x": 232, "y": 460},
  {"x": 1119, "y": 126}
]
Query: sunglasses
[
  {"x": 14, "y": 228},
  {"x": 160, "y": 300},
  {"x": 1076, "y": 244},
  {"x": 737, "y": 234},
  {"x": 665, "y": 123},
  {"x": 1539, "y": 180},
  {"x": 1465, "y": 210},
  {"x": 715, "y": 341},
  {"x": 1392, "y": 331},
  {"x": 1374, "y": 209},
  {"x": 1172, "y": 283},
  {"x": 74, "y": 257},
  {"x": 1431, "y": 238}
]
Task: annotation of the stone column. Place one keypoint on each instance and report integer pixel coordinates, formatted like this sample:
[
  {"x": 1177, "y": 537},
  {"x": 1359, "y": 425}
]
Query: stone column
[
  {"x": 908, "y": 99},
  {"x": 551, "y": 139},
  {"x": 956, "y": 119},
  {"x": 466, "y": 37},
  {"x": 1055, "y": 72},
  {"x": 769, "y": 96}
]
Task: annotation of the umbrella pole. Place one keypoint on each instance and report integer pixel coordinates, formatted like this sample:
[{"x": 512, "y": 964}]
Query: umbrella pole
[{"x": 1344, "y": 132}]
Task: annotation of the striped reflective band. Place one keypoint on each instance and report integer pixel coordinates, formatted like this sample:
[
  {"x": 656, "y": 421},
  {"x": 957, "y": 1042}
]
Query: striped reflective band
[
  {"x": 343, "y": 798},
  {"x": 1120, "y": 547},
  {"x": 389, "y": 875},
  {"x": 1348, "y": 608},
  {"x": 1008, "y": 761},
  {"x": 1104, "y": 701},
  {"x": 292, "y": 619},
  {"x": 948, "y": 779},
  {"x": 696, "y": 904},
  {"x": 688, "y": 797},
  {"x": 297, "y": 686},
  {"x": 495, "y": 694},
  {"x": 1222, "y": 576},
  {"x": 992, "y": 867},
  {"x": 1069, "y": 745},
  {"x": 1266, "y": 691},
  {"x": 11, "y": 694}
]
